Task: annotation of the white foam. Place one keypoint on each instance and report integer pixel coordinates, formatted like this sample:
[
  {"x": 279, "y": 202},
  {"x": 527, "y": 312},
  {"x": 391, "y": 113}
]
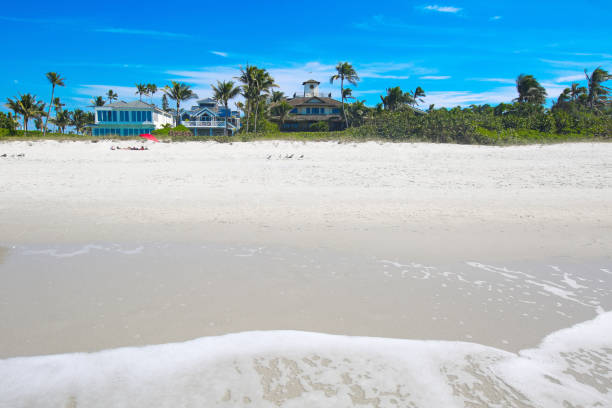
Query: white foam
[{"x": 298, "y": 369}]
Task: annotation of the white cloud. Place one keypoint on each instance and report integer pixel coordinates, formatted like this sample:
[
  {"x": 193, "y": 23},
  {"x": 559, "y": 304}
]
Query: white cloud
[
  {"x": 151, "y": 33},
  {"x": 451, "y": 99},
  {"x": 499, "y": 80},
  {"x": 579, "y": 76},
  {"x": 219, "y": 53},
  {"x": 443, "y": 9},
  {"x": 495, "y": 18},
  {"x": 435, "y": 77}
]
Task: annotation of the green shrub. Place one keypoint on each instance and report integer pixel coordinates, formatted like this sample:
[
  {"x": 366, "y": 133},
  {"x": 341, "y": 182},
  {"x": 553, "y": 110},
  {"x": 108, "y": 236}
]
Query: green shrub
[{"x": 321, "y": 126}]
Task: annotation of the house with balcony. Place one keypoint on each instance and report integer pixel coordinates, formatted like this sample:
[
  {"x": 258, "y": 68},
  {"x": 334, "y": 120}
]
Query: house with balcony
[
  {"x": 310, "y": 108},
  {"x": 128, "y": 119},
  {"x": 207, "y": 118}
]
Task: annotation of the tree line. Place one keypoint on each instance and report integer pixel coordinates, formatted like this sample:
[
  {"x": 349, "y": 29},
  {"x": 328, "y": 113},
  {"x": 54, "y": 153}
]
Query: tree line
[{"x": 575, "y": 110}]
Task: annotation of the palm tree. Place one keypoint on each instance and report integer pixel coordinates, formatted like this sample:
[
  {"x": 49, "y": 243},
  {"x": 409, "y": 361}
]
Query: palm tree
[
  {"x": 347, "y": 93},
  {"x": 80, "y": 119},
  {"x": 417, "y": 96},
  {"x": 141, "y": 89},
  {"x": 165, "y": 106},
  {"x": 27, "y": 106},
  {"x": 396, "y": 98},
  {"x": 179, "y": 92},
  {"x": 247, "y": 78},
  {"x": 597, "y": 93},
  {"x": 358, "y": 112},
  {"x": 277, "y": 96},
  {"x": 58, "y": 105},
  {"x": 38, "y": 123},
  {"x": 530, "y": 90},
  {"x": 151, "y": 90},
  {"x": 576, "y": 90},
  {"x": 344, "y": 72},
  {"x": 282, "y": 110},
  {"x": 56, "y": 80},
  {"x": 98, "y": 101},
  {"x": 262, "y": 85},
  {"x": 223, "y": 92},
  {"x": 61, "y": 120},
  {"x": 111, "y": 96}
]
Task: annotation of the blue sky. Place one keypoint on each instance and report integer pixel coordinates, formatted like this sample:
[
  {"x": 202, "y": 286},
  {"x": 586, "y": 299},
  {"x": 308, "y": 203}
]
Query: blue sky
[{"x": 460, "y": 52}]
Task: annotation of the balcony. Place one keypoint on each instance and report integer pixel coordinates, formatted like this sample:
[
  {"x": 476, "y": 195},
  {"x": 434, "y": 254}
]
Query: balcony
[{"x": 206, "y": 124}]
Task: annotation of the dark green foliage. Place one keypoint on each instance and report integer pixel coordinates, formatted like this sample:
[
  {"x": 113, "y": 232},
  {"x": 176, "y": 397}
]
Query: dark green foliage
[
  {"x": 319, "y": 127},
  {"x": 506, "y": 123}
]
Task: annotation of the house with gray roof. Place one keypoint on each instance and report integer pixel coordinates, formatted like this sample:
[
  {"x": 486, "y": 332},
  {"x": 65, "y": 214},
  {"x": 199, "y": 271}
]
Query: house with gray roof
[{"x": 208, "y": 117}]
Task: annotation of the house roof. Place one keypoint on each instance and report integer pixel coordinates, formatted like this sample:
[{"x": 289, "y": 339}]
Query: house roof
[
  {"x": 133, "y": 104},
  {"x": 310, "y": 81},
  {"x": 303, "y": 101}
]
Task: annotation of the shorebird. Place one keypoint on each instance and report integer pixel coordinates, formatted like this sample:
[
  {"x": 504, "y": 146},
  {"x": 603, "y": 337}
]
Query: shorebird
[
  {"x": 301, "y": 157},
  {"x": 269, "y": 157},
  {"x": 289, "y": 156}
]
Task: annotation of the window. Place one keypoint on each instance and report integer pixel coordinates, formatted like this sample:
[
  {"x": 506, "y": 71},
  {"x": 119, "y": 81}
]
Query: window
[
  {"x": 335, "y": 110},
  {"x": 133, "y": 116},
  {"x": 114, "y": 116},
  {"x": 149, "y": 118},
  {"x": 308, "y": 111},
  {"x": 294, "y": 110}
]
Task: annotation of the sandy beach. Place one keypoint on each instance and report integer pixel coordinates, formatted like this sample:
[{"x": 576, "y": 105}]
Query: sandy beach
[{"x": 477, "y": 259}]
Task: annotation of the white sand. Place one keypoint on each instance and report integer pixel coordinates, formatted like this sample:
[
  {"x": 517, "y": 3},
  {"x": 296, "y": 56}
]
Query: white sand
[{"x": 423, "y": 200}]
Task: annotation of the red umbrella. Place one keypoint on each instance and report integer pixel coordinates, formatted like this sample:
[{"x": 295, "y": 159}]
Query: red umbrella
[{"x": 149, "y": 136}]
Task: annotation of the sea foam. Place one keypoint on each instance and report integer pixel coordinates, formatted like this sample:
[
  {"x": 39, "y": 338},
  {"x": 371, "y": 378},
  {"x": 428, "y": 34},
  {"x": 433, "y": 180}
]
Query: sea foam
[{"x": 571, "y": 367}]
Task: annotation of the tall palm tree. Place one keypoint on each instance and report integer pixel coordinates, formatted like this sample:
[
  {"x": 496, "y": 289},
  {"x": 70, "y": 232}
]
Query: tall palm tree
[
  {"x": 141, "y": 89},
  {"x": 282, "y": 110},
  {"x": 27, "y": 106},
  {"x": 61, "y": 120},
  {"x": 179, "y": 92},
  {"x": 165, "y": 106},
  {"x": 56, "y": 80},
  {"x": 262, "y": 86},
  {"x": 98, "y": 101},
  {"x": 530, "y": 90},
  {"x": 223, "y": 92},
  {"x": 344, "y": 72},
  {"x": 79, "y": 119},
  {"x": 151, "y": 90},
  {"x": 597, "y": 93},
  {"x": 111, "y": 96},
  {"x": 247, "y": 79}
]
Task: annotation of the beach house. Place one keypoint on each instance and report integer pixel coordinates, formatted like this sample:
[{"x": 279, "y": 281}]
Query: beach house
[
  {"x": 128, "y": 119},
  {"x": 207, "y": 118},
  {"x": 310, "y": 107}
]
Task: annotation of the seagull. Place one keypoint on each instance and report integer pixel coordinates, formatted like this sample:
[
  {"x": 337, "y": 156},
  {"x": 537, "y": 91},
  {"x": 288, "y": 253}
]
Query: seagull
[
  {"x": 301, "y": 157},
  {"x": 269, "y": 157},
  {"x": 21, "y": 155},
  {"x": 289, "y": 156}
]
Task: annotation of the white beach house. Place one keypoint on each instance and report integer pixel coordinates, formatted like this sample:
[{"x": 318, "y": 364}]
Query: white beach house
[{"x": 129, "y": 119}]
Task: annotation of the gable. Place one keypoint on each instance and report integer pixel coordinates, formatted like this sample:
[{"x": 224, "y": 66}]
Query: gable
[
  {"x": 315, "y": 100},
  {"x": 205, "y": 111}
]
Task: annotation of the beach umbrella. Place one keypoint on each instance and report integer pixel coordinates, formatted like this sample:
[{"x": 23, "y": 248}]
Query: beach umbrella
[{"x": 149, "y": 136}]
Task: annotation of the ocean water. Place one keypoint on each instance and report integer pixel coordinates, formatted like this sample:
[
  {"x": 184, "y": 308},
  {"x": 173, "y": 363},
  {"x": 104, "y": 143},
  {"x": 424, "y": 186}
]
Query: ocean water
[{"x": 400, "y": 332}]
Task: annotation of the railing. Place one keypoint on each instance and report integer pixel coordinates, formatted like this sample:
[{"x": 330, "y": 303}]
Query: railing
[{"x": 206, "y": 123}]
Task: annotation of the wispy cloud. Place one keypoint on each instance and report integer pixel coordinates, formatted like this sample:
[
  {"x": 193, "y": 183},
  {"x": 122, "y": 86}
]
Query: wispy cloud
[
  {"x": 495, "y": 18},
  {"x": 578, "y": 76},
  {"x": 498, "y": 80},
  {"x": 465, "y": 98},
  {"x": 124, "y": 92},
  {"x": 435, "y": 77},
  {"x": 131, "y": 31},
  {"x": 219, "y": 53},
  {"x": 581, "y": 64},
  {"x": 443, "y": 9}
]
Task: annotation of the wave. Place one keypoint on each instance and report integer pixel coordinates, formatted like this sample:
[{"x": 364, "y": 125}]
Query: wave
[{"x": 570, "y": 368}]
